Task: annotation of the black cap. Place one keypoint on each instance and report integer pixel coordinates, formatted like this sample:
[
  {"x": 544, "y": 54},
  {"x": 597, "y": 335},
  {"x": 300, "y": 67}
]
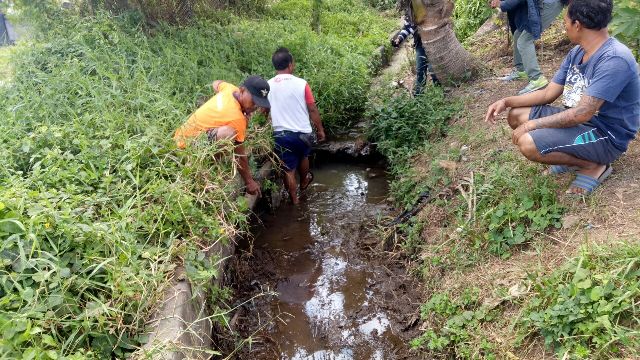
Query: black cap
[{"x": 259, "y": 90}]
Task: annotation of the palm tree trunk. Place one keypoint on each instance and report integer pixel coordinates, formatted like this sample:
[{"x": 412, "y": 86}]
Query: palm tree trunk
[{"x": 450, "y": 61}]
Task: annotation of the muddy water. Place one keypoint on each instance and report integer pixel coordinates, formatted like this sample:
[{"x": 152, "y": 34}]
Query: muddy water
[{"x": 327, "y": 306}]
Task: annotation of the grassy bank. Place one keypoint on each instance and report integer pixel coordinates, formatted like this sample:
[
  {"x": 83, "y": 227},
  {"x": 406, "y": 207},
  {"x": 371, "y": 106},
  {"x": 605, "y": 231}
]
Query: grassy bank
[
  {"x": 96, "y": 204},
  {"x": 512, "y": 267}
]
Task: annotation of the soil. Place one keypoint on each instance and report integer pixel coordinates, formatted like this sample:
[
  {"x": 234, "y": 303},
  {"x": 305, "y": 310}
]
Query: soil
[{"x": 608, "y": 216}]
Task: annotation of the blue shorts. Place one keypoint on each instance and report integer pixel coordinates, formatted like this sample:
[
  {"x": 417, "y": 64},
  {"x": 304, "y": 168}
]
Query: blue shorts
[
  {"x": 584, "y": 141},
  {"x": 292, "y": 147}
]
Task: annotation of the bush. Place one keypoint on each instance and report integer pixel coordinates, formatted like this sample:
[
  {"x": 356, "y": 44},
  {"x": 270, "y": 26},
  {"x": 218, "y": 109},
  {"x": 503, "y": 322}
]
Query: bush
[
  {"x": 626, "y": 23},
  {"x": 453, "y": 326},
  {"x": 402, "y": 125},
  {"x": 513, "y": 204}
]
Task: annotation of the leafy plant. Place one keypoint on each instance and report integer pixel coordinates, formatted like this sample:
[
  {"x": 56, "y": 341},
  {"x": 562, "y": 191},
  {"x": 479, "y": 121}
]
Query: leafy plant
[
  {"x": 588, "y": 308},
  {"x": 625, "y": 23},
  {"x": 401, "y": 125},
  {"x": 512, "y": 204},
  {"x": 453, "y": 324}
]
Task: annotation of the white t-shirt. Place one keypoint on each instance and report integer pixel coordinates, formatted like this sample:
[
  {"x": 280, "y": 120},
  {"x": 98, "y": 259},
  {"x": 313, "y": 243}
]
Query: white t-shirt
[{"x": 289, "y": 96}]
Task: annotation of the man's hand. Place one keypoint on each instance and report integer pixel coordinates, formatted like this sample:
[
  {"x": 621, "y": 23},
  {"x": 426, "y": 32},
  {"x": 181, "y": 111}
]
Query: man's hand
[
  {"x": 215, "y": 85},
  {"x": 321, "y": 136},
  {"x": 494, "y": 110},
  {"x": 253, "y": 188},
  {"x": 521, "y": 130},
  {"x": 494, "y": 3}
]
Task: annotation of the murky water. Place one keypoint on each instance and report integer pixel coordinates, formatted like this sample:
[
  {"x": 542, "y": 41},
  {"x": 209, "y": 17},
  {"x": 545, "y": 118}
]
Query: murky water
[{"x": 326, "y": 303}]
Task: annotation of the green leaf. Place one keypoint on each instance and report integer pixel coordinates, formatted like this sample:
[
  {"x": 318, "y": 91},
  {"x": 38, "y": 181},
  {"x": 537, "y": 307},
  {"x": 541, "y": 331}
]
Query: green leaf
[
  {"x": 584, "y": 284},
  {"x": 65, "y": 272},
  {"x": 30, "y": 354},
  {"x": 48, "y": 340},
  {"x": 604, "y": 320},
  {"x": 596, "y": 293},
  {"x": 27, "y": 294},
  {"x": 11, "y": 226}
]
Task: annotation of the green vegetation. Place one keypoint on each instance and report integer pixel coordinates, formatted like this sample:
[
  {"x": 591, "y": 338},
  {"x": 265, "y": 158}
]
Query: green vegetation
[
  {"x": 382, "y": 4},
  {"x": 512, "y": 204},
  {"x": 626, "y": 23},
  {"x": 403, "y": 125},
  {"x": 468, "y": 16},
  {"x": 97, "y": 207},
  {"x": 588, "y": 308},
  {"x": 453, "y": 324}
]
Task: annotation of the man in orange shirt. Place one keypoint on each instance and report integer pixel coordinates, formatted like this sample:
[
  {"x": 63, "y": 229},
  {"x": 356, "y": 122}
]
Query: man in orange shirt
[{"x": 225, "y": 116}]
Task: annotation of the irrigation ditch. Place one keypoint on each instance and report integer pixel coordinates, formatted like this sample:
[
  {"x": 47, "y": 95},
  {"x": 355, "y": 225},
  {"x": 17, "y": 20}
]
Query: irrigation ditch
[{"x": 309, "y": 282}]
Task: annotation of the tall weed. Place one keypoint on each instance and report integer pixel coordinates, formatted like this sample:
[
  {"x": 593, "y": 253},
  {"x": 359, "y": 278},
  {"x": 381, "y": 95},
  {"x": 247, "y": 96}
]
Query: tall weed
[{"x": 468, "y": 16}]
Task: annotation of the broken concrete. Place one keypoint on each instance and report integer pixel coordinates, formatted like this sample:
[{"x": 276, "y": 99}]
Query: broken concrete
[{"x": 181, "y": 328}]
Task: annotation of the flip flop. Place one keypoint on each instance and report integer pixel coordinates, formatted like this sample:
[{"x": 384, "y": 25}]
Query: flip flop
[
  {"x": 588, "y": 183},
  {"x": 560, "y": 169},
  {"x": 309, "y": 180}
]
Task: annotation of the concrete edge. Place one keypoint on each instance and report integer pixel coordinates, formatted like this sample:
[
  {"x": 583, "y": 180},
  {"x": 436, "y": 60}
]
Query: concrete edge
[{"x": 181, "y": 327}]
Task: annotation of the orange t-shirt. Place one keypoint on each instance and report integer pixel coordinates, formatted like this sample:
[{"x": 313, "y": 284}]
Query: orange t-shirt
[{"x": 222, "y": 109}]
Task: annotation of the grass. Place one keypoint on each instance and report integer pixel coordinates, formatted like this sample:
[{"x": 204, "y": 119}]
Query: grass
[
  {"x": 588, "y": 308},
  {"x": 491, "y": 253},
  {"x": 97, "y": 206}
]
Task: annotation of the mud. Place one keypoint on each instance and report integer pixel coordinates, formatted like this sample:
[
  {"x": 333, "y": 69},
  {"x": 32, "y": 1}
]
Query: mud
[{"x": 313, "y": 283}]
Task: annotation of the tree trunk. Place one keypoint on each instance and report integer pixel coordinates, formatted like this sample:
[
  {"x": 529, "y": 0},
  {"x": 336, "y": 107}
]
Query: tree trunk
[{"x": 450, "y": 61}]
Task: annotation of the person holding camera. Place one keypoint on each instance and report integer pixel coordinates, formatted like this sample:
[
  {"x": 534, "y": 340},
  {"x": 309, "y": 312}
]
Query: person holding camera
[
  {"x": 293, "y": 109},
  {"x": 527, "y": 20},
  {"x": 414, "y": 16}
]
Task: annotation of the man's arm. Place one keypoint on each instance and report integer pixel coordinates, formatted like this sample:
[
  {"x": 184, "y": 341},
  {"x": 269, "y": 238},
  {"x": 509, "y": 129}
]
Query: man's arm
[
  {"x": 540, "y": 97},
  {"x": 583, "y": 112},
  {"x": 400, "y": 36},
  {"x": 314, "y": 114},
  {"x": 245, "y": 172}
]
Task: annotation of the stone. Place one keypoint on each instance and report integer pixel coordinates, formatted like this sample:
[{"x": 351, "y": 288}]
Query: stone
[
  {"x": 448, "y": 165},
  {"x": 569, "y": 221}
]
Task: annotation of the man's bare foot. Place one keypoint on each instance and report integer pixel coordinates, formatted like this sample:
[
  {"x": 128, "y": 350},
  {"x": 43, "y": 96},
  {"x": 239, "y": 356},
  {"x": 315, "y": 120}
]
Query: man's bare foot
[
  {"x": 595, "y": 173},
  {"x": 304, "y": 183}
]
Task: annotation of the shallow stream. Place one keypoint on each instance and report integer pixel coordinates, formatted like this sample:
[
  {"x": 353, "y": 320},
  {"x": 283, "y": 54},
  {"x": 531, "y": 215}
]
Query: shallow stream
[{"x": 327, "y": 306}]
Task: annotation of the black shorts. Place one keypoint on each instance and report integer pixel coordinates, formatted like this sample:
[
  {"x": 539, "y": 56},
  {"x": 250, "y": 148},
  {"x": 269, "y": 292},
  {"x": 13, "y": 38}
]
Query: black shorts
[{"x": 584, "y": 141}]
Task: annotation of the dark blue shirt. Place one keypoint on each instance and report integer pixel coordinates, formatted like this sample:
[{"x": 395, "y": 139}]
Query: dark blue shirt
[{"x": 610, "y": 74}]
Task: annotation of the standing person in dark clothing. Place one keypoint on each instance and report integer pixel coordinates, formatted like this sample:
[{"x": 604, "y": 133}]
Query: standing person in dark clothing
[
  {"x": 414, "y": 16},
  {"x": 527, "y": 20}
]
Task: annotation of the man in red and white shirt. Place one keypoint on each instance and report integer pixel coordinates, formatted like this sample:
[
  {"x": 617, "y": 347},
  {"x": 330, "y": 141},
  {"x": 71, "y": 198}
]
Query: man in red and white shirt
[{"x": 293, "y": 109}]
